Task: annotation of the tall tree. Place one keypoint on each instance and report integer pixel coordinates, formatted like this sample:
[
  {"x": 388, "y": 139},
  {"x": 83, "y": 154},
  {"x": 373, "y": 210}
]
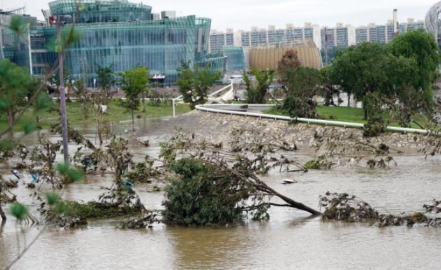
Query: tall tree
[
  {"x": 134, "y": 82},
  {"x": 288, "y": 66},
  {"x": 422, "y": 47},
  {"x": 194, "y": 83},
  {"x": 304, "y": 85}
]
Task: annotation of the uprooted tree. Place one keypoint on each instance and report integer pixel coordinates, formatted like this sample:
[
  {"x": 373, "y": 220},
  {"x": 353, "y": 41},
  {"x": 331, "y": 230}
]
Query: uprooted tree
[{"x": 218, "y": 186}]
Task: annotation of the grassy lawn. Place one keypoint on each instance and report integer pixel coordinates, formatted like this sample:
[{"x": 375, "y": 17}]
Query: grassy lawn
[
  {"x": 345, "y": 114},
  {"x": 75, "y": 114}
]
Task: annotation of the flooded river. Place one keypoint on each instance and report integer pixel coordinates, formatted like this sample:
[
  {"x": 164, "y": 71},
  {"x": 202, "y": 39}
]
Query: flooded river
[{"x": 290, "y": 240}]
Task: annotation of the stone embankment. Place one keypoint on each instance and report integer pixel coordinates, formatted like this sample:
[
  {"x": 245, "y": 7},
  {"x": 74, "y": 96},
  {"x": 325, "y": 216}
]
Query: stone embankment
[{"x": 218, "y": 127}]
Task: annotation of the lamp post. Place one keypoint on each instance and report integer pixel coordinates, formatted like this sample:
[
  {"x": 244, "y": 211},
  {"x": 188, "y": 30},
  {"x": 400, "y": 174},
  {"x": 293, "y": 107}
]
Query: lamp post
[{"x": 62, "y": 95}]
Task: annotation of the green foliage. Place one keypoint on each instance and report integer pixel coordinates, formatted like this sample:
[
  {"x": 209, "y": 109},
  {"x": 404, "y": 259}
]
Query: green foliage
[
  {"x": 52, "y": 198},
  {"x": 423, "y": 49},
  {"x": 7, "y": 145},
  {"x": 105, "y": 77},
  {"x": 134, "y": 82},
  {"x": 19, "y": 211},
  {"x": 98, "y": 210},
  {"x": 68, "y": 36},
  {"x": 318, "y": 164},
  {"x": 72, "y": 175},
  {"x": 206, "y": 195},
  {"x": 16, "y": 87},
  {"x": 257, "y": 90},
  {"x": 375, "y": 126},
  {"x": 304, "y": 84},
  {"x": 18, "y": 25},
  {"x": 194, "y": 84},
  {"x": 298, "y": 107},
  {"x": 29, "y": 127},
  {"x": 371, "y": 68},
  {"x": 43, "y": 102}
]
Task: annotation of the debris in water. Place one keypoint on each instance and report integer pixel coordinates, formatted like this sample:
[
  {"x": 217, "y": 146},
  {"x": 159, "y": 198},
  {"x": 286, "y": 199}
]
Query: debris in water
[
  {"x": 143, "y": 222},
  {"x": 344, "y": 207},
  {"x": 435, "y": 208},
  {"x": 17, "y": 174},
  {"x": 289, "y": 181}
]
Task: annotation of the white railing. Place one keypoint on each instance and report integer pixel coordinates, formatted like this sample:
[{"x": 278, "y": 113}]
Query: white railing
[
  {"x": 206, "y": 108},
  {"x": 217, "y": 95}
]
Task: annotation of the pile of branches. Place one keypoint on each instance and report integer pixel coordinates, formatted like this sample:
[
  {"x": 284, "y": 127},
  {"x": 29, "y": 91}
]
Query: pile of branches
[
  {"x": 434, "y": 208},
  {"x": 344, "y": 207},
  {"x": 250, "y": 151},
  {"x": 334, "y": 149}
]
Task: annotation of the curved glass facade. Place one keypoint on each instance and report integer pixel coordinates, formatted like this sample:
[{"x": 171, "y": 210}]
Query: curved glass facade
[
  {"x": 235, "y": 58},
  {"x": 86, "y": 11},
  {"x": 131, "y": 40}
]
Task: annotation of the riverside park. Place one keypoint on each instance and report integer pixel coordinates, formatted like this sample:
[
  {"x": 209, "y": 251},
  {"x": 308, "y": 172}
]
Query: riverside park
[{"x": 328, "y": 158}]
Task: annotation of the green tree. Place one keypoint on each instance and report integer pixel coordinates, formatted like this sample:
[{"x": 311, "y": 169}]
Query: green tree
[
  {"x": 16, "y": 85},
  {"x": 304, "y": 85},
  {"x": 257, "y": 89},
  {"x": 329, "y": 88},
  {"x": 105, "y": 79},
  {"x": 194, "y": 83},
  {"x": 370, "y": 68},
  {"x": 134, "y": 83},
  {"x": 422, "y": 47}
]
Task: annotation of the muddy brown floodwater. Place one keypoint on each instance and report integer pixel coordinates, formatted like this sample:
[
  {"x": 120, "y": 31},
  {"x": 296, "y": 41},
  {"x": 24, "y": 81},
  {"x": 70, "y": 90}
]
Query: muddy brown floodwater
[{"x": 290, "y": 240}]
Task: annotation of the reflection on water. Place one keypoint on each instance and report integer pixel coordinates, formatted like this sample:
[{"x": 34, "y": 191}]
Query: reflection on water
[{"x": 290, "y": 240}]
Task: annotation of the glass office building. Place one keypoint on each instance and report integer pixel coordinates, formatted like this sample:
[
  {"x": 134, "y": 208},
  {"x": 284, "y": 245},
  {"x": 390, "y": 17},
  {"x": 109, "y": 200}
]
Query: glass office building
[
  {"x": 121, "y": 35},
  {"x": 235, "y": 58}
]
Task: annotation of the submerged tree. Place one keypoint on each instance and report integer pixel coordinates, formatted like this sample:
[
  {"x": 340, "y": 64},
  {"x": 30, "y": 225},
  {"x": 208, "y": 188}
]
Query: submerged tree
[
  {"x": 134, "y": 83},
  {"x": 216, "y": 186},
  {"x": 195, "y": 83}
]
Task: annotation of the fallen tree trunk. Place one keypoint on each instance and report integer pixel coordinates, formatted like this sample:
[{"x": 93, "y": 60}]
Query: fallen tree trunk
[{"x": 263, "y": 187}]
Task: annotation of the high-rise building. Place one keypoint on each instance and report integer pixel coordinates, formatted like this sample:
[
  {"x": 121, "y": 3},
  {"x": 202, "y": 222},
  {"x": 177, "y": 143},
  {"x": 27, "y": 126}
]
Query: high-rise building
[
  {"x": 414, "y": 25},
  {"x": 260, "y": 36},
  {"x": 341, "y": 36},
  {"x": 219, "y": 39},
  {"x": 362, "y": 34},
  {"x": 116, "y": 34},
  {"x": 385, "y": 33}
]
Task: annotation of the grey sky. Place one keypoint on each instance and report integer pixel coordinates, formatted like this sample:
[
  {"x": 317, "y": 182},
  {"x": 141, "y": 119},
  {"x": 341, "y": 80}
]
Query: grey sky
[{"x": 242, "y": 14}]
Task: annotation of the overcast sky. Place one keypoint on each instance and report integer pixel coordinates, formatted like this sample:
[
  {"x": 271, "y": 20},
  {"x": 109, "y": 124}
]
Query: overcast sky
[{"x": 243, "y": 14}]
